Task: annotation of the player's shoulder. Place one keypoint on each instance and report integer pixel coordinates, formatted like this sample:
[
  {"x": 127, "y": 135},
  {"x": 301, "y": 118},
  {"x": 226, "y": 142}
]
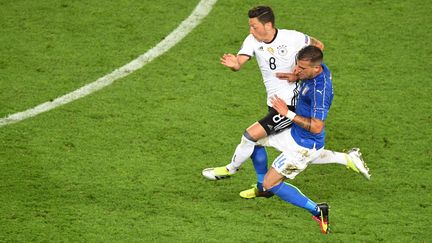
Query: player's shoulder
[
  {"x": 324, "y": 78},
  {"x": 292, "y": 36},
  {"x": 250, "y": 38},
  {"x": 287, "y": 32},
  {"x": 326, "y": 71},
  {"x": 250, "y": 41}
]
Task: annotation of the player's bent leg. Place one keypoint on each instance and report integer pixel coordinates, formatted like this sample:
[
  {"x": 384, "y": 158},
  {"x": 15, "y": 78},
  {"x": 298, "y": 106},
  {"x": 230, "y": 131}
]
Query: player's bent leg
[
  {"x": 272, "y": 178},
  {"x": 352, "y": 160},
  {"x": 293, "y": 195},
  {"x": 243, "y": 151},
  {"x": 286, "y": 165},
  {"x": 259, "y": 160},
  {"x": 256, "y": 131},
  {"x": 330, "y": 157}
]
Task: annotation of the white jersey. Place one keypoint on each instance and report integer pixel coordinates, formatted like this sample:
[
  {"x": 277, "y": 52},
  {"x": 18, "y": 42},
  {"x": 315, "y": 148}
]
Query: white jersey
[{"x": 275, "y": 57}]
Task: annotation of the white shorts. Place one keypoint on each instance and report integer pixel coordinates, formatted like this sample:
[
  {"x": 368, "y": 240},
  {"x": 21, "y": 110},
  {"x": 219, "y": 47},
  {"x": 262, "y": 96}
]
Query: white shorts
[{"x": 294, "y": 158}]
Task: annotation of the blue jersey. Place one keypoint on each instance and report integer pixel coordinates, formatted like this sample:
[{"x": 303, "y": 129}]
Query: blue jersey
[{"x": 314, "y": 101}]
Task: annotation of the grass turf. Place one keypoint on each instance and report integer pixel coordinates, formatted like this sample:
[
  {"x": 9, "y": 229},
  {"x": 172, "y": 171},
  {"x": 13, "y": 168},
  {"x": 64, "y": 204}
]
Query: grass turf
[{"x": 124, "y": 164}]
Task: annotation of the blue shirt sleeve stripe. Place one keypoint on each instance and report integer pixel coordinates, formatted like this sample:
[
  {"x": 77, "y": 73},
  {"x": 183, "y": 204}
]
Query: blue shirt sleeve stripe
[{"x": 319, "y": 110}]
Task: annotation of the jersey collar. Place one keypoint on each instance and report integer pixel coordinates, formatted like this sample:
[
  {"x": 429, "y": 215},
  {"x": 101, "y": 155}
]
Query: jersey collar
[{"x": 274, "y": 37}]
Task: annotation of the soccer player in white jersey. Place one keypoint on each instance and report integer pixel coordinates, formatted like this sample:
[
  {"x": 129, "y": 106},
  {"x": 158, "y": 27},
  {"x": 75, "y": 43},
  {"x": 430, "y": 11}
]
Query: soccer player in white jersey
[{"x": 275, "y": 51}]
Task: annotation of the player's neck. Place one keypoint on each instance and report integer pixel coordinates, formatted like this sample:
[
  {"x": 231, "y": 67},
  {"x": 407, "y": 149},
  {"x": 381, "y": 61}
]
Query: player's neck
[
  {"x": 320, "y": 70},
  {"x": 270, "y": 36}
]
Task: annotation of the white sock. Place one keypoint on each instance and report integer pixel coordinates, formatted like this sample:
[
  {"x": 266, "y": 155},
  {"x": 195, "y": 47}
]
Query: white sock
[
  {"x": 331, "y": 157},
  {"x": 243, "y": 151}
]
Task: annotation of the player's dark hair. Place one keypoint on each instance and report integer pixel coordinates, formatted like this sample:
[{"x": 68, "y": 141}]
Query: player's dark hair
[
  {"x": 264, "y": 14},
  {"x": 312, "y": 54}
]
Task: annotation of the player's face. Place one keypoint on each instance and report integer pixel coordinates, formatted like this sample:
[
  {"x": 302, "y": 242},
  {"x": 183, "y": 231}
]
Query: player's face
[
  {"x": 257, "y": 29},
  {"x": 305, "y": 69}
]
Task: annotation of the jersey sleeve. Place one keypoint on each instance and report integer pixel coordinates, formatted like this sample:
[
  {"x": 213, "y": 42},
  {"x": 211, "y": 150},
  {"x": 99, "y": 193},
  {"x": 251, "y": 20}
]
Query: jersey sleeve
[
  {"x": 247, "y": 47},
  {"x": 299, "y": 40},
  {"x": 322, "y": 97}
]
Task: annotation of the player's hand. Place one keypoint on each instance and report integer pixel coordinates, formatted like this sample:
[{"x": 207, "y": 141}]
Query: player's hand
[
  {"x": 279, "y": 105},
  {"x": 290, "y": 77},
  {"x": 229, "y": 60}
]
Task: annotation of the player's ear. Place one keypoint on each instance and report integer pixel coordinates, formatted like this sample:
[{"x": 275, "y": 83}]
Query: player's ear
[{"x": 268, "y": 26}]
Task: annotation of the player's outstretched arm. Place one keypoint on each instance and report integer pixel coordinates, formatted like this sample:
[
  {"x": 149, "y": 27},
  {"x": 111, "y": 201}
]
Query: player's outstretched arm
[
  {"x": 312, "y": 125},
  {"x": 234, "y": 62},
  {"x": 317, "y": 43}
]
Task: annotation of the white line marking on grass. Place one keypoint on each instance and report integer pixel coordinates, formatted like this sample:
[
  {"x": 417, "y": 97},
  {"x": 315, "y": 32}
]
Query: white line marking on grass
[{"x": 201, "y": 10}]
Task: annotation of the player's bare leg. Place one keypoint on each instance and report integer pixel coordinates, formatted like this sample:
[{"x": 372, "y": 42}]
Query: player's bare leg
[{"x": 272, "y": 178}]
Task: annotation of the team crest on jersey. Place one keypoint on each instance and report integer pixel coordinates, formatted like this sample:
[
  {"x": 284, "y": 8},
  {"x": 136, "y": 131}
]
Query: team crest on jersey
[
  {"x": 270, "y": 50},
  {"x": 282, "y": 50}
]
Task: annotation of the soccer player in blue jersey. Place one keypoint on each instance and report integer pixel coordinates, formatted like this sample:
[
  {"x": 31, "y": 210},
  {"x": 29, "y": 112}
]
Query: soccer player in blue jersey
[
  {"x": 304, "y": 141},
  {"x": 275, "y": 50}
]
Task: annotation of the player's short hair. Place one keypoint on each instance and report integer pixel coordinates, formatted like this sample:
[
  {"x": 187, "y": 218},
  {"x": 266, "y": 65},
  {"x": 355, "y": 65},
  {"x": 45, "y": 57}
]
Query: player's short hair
[
  {"x": 264, "y": 14},
  {"x": 312, "y": 54}
]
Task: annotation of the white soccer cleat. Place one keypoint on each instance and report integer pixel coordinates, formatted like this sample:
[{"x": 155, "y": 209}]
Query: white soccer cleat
[
  {"x": 357, "y": 163},
  {"x": 216, "y": 173}
]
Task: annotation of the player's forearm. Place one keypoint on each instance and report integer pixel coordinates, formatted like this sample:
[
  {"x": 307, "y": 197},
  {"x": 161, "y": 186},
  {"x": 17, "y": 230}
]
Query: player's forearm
[
  {"x": 236, "y": 67},
  {"x": 317, "y": 43},
  {"x": 309, "y": 124},
  {"x": 303, "y": 122},
  {"x": 240, "y": 60},
  {"x": 312, "y": 125},
  {"x": 290, "y": 77}
]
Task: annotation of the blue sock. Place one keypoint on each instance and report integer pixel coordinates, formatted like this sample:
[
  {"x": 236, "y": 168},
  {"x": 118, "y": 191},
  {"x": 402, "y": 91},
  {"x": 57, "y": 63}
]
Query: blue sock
[
  {"x": 293, "y": 195},
  {"x": 259, "y": 160}
]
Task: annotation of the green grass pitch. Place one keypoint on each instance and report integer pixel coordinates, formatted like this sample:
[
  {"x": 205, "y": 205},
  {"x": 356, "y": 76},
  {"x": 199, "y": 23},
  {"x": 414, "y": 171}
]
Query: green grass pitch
[{"x": 124, "y": 164}]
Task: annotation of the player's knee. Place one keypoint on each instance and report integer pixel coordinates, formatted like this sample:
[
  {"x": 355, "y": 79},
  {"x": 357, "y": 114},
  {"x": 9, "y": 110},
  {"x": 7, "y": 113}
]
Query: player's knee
[{"x": 249, "y": 137}]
